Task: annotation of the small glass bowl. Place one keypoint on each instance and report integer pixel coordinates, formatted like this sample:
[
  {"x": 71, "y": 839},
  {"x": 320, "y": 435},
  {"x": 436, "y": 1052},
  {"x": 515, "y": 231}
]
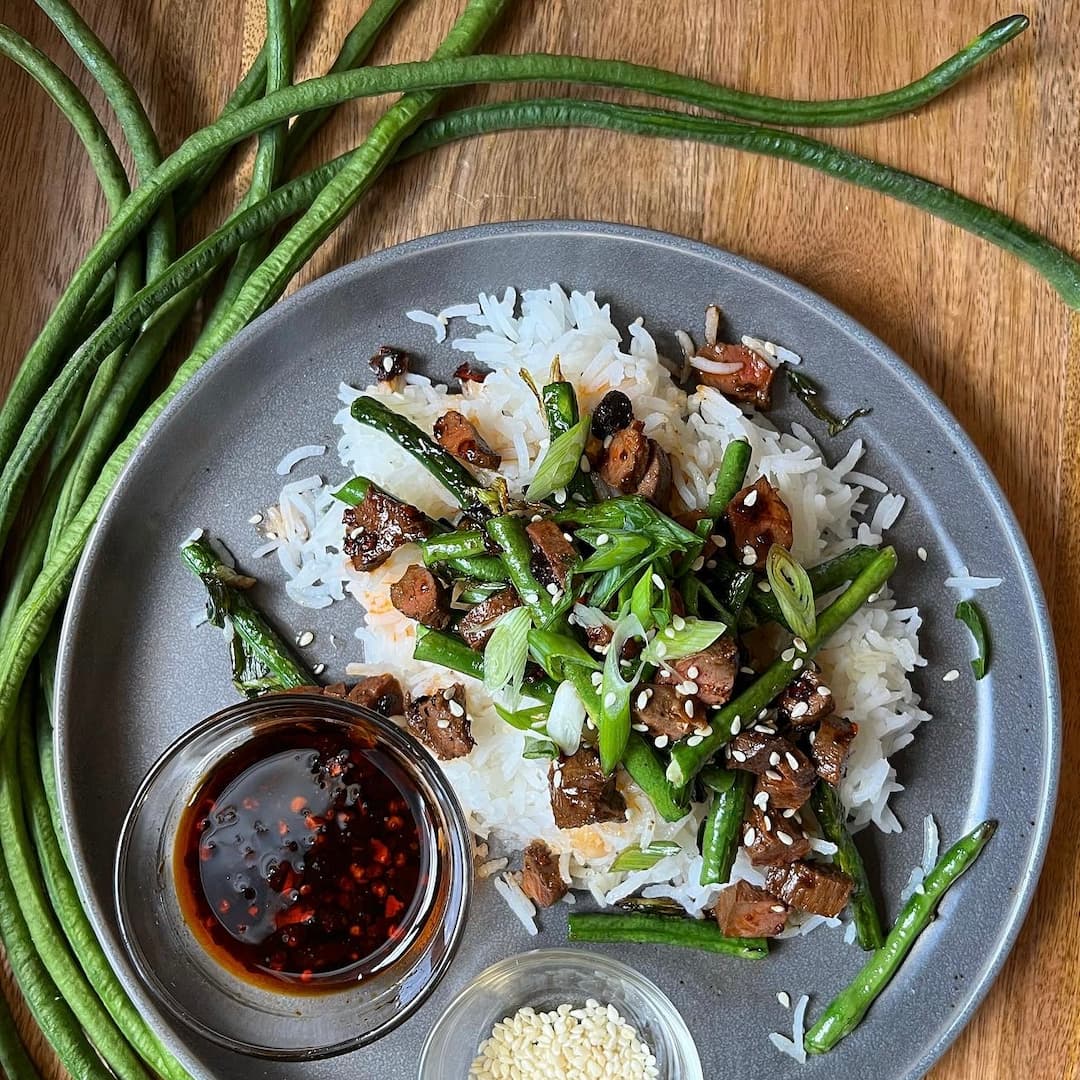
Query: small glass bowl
[
  {"x": 204, "y": 995},
  {"x": 545, "y": 979}
]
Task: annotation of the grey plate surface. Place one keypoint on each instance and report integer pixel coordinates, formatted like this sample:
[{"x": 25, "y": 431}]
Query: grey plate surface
[{"x": 134, "y": 674}]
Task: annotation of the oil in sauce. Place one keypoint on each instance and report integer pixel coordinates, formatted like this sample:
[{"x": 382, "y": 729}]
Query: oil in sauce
[{"x": 301, "y": 860}]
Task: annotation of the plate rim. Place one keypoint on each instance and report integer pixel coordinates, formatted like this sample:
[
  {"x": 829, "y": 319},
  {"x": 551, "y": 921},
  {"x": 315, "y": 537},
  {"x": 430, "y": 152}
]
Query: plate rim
[{"x": 976, "y": 992}]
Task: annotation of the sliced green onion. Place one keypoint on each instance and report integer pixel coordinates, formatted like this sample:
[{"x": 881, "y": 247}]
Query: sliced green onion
[
  {"x": 540, "y": 748},
  {"x": 507, "y": 651},
  {"x": 615, "y": 691},
  {"x": 672, "y": 644},
  {"x": 566, "y": 719},
  {"x": 641, "y": 599},
  {"x": 645, "y": 858},
  {"x": 551, "y": 650},
  {"x": 533, "y": 719},
  {"x": 353, "y": 491},
  {"x": 631, "y": 513},
  {"x": 793, "y": 591},
  {"x": 974, "y": 620},
  {"x": 561, "y": 462},
  {"x": 617, "y": 549}
]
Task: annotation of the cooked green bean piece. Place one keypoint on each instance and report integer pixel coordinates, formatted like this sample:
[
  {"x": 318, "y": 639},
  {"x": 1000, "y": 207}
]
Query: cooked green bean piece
[
  {"x": 824, "y": 577},
  {"x": 561, "y": 410},
  {"x": 723, "y": 825},
  {"x": 729, "y": 479},
  {"x": 646, "y": 769},
  {"x": 509, "y": 533},
  {"x": 645, "y": 929},
  {"x": 453, "y": 545},
  {"x": 352, "y": 492},
  {"x": 846, "y": 1011}
]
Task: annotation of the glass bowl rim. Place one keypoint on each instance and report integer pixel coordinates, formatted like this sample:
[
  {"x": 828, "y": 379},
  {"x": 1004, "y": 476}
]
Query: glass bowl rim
[{"x": 225, "y": 719}]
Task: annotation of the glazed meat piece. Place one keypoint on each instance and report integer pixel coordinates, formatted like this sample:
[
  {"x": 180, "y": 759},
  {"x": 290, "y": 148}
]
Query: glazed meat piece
[
  {"x": 712, "y": 671},
  {"x": 789, "y": 779},
  {"x": 466, "y": 373},
  {"x": 580, "y": 792},
  {"x": 751, "y": 383},
  {"x": 655, "y": 483},
  {"x": 421, "y": 596},
  {"x": 477, "y": 624},
  {"x": 439, "y": 721},
  {"x": 626, "y": 459},
  {"x": 806, "y": 701},
  {"x": 388, "y": 363},
  {"x": 378, "y": 526},
  {"x": 770, "y": 838},
  {"x": 612, "y": 413},
  {"x": 382, "y": 693},
  {"x": 541, "y": 881},
  {"x": 810, "y": 886},
  {"x": 553, "y": 552},
  {"x": 830, "y": 746},
  {"x": 457, "y": 436},
  {"x": 758, "y": 518},
  {"x": 744, "y": 910},
  {"x": 660, "y": 709},
  {"x": 755, "y": 751}
]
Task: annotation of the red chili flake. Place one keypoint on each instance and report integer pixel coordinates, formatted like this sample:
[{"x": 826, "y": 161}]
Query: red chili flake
[
  {"x": 393, "y": 907},
  {"x": 253, "y": 911},
  {"x": 465, "y": 373},
  {"x": 250, "y": 803},
  {"x": 283, "y": 828},
  {"x": 394, "y": 822},
  {"x": 379, "y": 851},
  {"x": 298, "y": 804},
  {"x": 224, "y": 906}
]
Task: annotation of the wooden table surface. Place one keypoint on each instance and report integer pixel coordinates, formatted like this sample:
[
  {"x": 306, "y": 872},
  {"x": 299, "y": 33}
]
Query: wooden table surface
[{"x": 991, "y": 338}]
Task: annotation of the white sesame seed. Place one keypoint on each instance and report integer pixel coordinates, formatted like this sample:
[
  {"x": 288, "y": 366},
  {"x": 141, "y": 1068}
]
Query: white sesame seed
[
  {"x": 824, "y": 691},
  {"x": 658, "y": 581},
  {"x": 642, "y": 700},
  {"x": 688, "y": 707},
  {"x": 791, "y": 759},
  {"x": 751, "y": 497},
  {"x": 455, "y": 708},
  {"x": 767, "y": 821},
  {"x": 738, "y": 755},
  {"x": 797, "y": 663},
  {"x": 718, "y": 540},
  {"x": 749, "y": 558},
  {"x": 669, "y": 631},
  {"x": 597, "y": 678},
  {"x": 388, "y": 363},
  {"x": 532, "y": 598},
  {"x": 710, "y": 488},
  {"x": 692, "y": 672},
  {"x": 774, "y": 758},
  {"x": 799, "y": 644},
  {"x": 790, "y": 813},
  {"x": 761, "y": 800},
  {"x": 697, "y": 564},
  {"x": 305, "y": 638},
  {"x": 773, "y": 775},
  {"x": 784, "y": 838},
  {"x": 950, "y": 676},
  {"x": 711, "y": 564},
  {"x": 536, "y": 517},
  {"x": 584, "y": 464},
  {"x": 567, "y": 537},
  {"x": 764, "y": 586},
  {"x": 640, "y": 727},
  {"x": 921, "y": 552},
  {"x": 602, "y": 539},
  {"x": 764, "y": 729},
  {"x": 800, "y": 708},
  {"x": 610, "y": 698},
  {"x": 736, "y": 726},
  {"x": 706, "y": 730},
  {"x": 749, "y": 837},
  {"x": 783, "y": 996},
  {"x": 779, "y": 909},
  {"x": 660, "y": 742},
  {"x": 813, "y": 737},
  {"x": 552, "y": 588},
  {"x": 560, "y": 496},
  {"x": 787, "y": 655},
  {"x": 255, "y": 519},
  {"x": 607, "y": 440},
  {"x": 695, "y": 740},
  {"x": 443, "y": 723},
  {"x": 318, "y": 669},
  {"x": 747, "y": 670}
]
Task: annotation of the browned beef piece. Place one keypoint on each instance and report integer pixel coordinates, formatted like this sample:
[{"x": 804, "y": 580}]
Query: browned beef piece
[
  {"x": 477, "y": 624},
  {"x": 540, "y": 877},
  {"x": 379, "y": 692},
  {"x": 830, "y": 746},
  {"x": 457, "y": 436},
  {"x": 766, "y": 836},
  {"x": 378, "y": 526},
  {"x": 556, "y": 554},
  {"x": 626, "y": 459},
  {"x": 758, "y": 518},
  {"x": 599, "y": 637},
  {"x": 802, "y": 705},
  {"x": 751, "y": 750},
  {"x": 810, "y": 886},
  {"x": 712, "y": 670},
  {"x": 594, "y": 451},
  {"x": 752, "y": 382},
  {"x": 744, "y": 910},
  {"x": 663, "y": 711},
  {"x": 421, "y": 596},
  {"x": 388, "y": 363},
  {"x": 465, "y": 373},
  {"x": 656, "y": 480},
  {"x": 440, "y": 721},
  {"x": 789, "y": 779},
  {"x": 337, "y": 689},
  {"x": 580, "y": 792}
]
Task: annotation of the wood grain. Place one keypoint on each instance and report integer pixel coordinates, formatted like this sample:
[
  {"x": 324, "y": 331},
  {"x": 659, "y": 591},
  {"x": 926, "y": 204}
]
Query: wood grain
[{"x": 989, "y": 337}]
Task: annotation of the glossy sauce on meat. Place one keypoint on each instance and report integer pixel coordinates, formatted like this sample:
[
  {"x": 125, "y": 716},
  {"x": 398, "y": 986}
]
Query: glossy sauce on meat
[{"x": 301, "y": 860}]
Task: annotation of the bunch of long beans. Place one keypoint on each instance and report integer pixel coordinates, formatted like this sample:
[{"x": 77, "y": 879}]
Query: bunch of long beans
[{"x": 69, "y": 409}]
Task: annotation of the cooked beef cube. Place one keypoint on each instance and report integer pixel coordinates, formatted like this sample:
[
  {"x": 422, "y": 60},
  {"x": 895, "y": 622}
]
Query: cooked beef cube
[
  {"x": 466, "y": 373},
  {"x": 655, "y": 484},
  {"x": 626, "y": 459},
  {"x": 758, "y": 519},
  {"x": 337, "y": 689},
  {"x": 755, "y": 751},
  {"x": 830, "y": 746},
  {"x": 580, "y": 792},
  {"x": 379, "y": 692},
  {"x": 712, "y": 671},
  {"x": 744, "y": 910},
  {"x": 664, "y": 712},
  {"x": 594, "y": 451},
  {"x": 810, "y": 886},
  {"x": 599, "y": 637},
  {"x": 789, "y": 779},
  {"x": 556, "y": 554},
  {"x": 766, "y": 836},
  {"x": 440, "y": 721},
  {"x": 752, "y": 382},
  {"x": 421, "y": 596},
  {"x": 388, "y": 363},
  {"x": 457, "y": 436},
  {"x": 540, "y": 877},
  {"x": 613, "y": 413},
  {"x": 477, "y": 624},
  {"x": 378, "y": 526},
  {"x": 802, "y": 704}
]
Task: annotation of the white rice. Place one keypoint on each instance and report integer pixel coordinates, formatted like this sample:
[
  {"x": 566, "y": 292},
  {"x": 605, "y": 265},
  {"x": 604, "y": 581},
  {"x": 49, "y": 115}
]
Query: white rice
[
  {"x": 793, "y": 1047},
  {"x": 963, "y": 580},
  {"x": 294, "y": 457},
  {"x": 505, "y": 797}
]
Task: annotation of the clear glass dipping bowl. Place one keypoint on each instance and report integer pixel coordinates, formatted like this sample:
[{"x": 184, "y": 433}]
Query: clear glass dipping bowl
[
  {"x": 214, "y": 1001},
  {"x": 545, "y": 979}
]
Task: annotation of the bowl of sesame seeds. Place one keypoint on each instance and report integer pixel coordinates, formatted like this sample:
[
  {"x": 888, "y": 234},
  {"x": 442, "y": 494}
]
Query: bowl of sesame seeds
[{"x": 564, "y": 1013}]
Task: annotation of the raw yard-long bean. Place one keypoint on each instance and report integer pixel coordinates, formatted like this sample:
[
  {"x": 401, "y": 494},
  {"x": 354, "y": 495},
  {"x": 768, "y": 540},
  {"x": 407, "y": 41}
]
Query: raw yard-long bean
[
  {"x": 644, "y": 929},
  {"x": 15, "y": 1063},
  {"x": 687, "y": 761},
  {"x": 846, "y": 1011}
]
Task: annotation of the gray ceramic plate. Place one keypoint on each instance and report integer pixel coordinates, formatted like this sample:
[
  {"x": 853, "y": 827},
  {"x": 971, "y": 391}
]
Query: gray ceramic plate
[{"x": 134, "y": 674}]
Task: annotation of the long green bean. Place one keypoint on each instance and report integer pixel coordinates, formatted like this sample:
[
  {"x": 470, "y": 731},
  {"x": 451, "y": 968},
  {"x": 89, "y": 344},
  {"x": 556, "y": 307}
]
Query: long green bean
[
  {"x": 15, "y": 1063},
  {"x": 687, "y": 761},
  {"x": 646, "y": 769},
  {"x": 641, "y": 928},
  {"x": 509, "y": 533},
  {"x": 723, "y": 825},
  {"x": 846, "y": 1011}
]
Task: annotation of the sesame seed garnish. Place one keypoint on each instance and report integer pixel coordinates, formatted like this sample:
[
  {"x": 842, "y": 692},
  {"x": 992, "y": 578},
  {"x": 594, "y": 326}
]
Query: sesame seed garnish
[
  {"x": 607, "y": 440},
  {"x": 318, "y": 669},
  {"x": 660, "y": 649},
  {"x": 388, "y": 363},
  {"x": 718, "y": 540},
  {"x": 800, "y": 708},
  {"x": 774, "y": 758},
  {"x": 738, "y": 755},
  {"x": 751, "y": 497},
  {"x": 602, "y": 539},
  {"x": 921, "y": 552},
  {"x": 747, "y": 670},
  {"x": 532, "y": 598},
  {"x": 658, "y": 581},
  {"x": 597, "y": 678},
  {"x": 783, "y": 997},
  {"x": 784, "y": 838},
  {"x": 824, "y": 691},
  {"x": 560, "y": 496},
  {"x": 764, "y": 729},
  {"x": 787, "y": 655},
  {"x": 768, "y": 822},
  {"x": 736, "y": 726},
  {"x": 660, "y": 742},
  {"x": 640, "y": 727},
  {"x": 695, "y": 740},
  {"x": 536, "y": 517},
  {"x": 688, "y": 707},
  {"x": 255, "y": 519},
  {"x": 610, "y": 698},
  {"x": 799, "y": 644},
  {"x": 698, "y": 563},
  {"x": 455, "y": 708},
  {"x": 306, "y": 637},
  {"x": 669, "y": 631},
  {"x": 749, "y": 558},
  {"x": 711, "y": 564},
  {"x": 443, "y": 724},
  {"x": 761, "y": 800},
  {"x": 761, "y": 715},
  {"x": 764, "y": 586},
  {"x": 584, "y": 464},
  {"x": 642, "y": 700},
  {"x": 567, "y": 537},
  {"x": 552, "y": 587},
  {"x": 790, "y": 813},
  {"x": 773, "y": 775},
  {"x": 813, "y": 737},
  {"x": 780, "y": 909},
  {"x": 749, "y": 837},
  {"x": 791, "y": 759},
  {"x": 710, "y": 488},
  {"x": 950, "y": 676},
  {"x": 706, "y": 730},
  {"x": 796, "y": 663}
]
